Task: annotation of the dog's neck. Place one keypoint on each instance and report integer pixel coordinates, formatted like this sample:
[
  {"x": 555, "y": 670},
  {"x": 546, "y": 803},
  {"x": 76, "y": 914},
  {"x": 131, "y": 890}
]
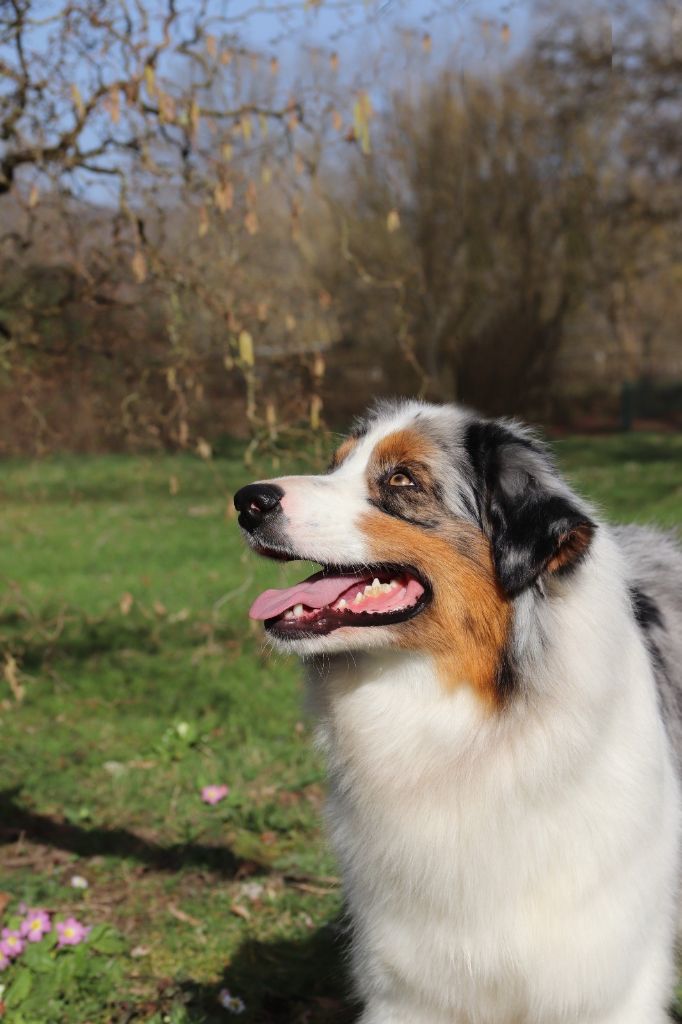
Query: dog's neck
[{"x": 389, "y": 705}]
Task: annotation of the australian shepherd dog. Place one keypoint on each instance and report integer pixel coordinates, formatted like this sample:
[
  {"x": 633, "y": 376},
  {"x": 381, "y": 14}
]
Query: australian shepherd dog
[{"x": 495, "y": 675}]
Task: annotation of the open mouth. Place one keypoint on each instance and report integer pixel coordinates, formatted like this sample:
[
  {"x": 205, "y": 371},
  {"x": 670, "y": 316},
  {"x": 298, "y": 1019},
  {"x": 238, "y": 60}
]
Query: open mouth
[{"x": 337, "y": 597}]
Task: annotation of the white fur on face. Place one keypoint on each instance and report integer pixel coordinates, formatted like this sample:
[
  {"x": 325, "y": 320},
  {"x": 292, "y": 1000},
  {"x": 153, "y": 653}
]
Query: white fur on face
[
  {"x": 321, "y": 524},
  {"x": 320, "y": 513}
]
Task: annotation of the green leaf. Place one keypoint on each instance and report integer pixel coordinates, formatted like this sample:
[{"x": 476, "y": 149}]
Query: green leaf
[
  {"x": 104, "y": 939},
  {"x": 20, "y": 988},
  {"x": 38, "y": 958},
  {"x": 65, "y": 969}
]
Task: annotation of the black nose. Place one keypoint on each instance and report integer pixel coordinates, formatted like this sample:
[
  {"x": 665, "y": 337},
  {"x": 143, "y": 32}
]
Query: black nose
[{"x": 255, "y": 501}]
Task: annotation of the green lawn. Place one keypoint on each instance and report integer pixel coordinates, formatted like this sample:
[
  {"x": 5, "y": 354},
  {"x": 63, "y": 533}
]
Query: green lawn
[{"x": 123, "y": 630}]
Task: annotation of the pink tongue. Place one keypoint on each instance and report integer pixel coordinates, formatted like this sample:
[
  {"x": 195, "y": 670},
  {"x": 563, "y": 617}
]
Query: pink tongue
[{"x": 317, "y": 592}]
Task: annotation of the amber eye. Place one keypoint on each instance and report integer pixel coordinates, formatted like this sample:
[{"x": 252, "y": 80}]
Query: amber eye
[{"x": 400, "y": 480}]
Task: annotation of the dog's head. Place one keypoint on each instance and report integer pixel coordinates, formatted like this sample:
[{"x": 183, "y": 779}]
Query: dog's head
[{"x": 428, "y": 525}]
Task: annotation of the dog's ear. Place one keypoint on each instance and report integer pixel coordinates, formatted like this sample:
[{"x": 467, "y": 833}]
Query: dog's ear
[{"x": 534, "y": 524}]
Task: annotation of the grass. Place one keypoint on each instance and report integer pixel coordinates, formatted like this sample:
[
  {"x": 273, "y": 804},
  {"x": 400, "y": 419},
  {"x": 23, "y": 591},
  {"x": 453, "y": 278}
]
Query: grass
[{"x": 131, "y": 679}]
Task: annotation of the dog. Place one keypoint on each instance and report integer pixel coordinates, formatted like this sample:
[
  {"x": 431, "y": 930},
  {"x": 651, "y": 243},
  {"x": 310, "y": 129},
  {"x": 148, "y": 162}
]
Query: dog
[{"x": 495, "y": 675}]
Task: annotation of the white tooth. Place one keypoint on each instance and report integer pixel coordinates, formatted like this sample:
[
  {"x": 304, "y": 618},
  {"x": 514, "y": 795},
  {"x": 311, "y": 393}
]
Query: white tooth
[
  {"x": 342, "y": 603},
  {"x": 376, "y": 583},
  {"x": 393, "y": 584},
  {"x": 359, "y": 597},
  {"x": 298, "y": 611}
]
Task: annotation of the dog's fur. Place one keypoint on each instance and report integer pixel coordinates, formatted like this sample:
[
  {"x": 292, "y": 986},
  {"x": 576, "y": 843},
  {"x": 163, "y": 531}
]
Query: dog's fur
[{"x": 503, "y": 799}]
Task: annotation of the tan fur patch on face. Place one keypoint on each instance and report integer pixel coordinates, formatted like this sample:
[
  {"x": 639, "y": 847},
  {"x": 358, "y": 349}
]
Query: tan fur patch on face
[
  {"x": 404, "y": 447},
  {"x": 343, "y": 451},
  {"x": 415, "y": 453},
  {"x": 465, "y": 627}
]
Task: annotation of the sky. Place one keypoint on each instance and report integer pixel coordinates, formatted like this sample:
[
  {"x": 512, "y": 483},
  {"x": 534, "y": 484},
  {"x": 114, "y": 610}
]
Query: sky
[
  {"x": 350, "y": 27},
  {"x": 376, "y": 40}
]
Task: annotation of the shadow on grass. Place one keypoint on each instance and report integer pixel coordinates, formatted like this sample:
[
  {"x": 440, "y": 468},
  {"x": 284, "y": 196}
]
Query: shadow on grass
[
  {"x": 17, "y": 822},
  {"x": 297, "y": 982},
  {"x": 73, "y": 637}
]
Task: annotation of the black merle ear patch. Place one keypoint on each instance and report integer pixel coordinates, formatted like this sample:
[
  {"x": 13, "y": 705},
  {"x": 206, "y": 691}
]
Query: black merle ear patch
[{"x": 533, "y": 527}]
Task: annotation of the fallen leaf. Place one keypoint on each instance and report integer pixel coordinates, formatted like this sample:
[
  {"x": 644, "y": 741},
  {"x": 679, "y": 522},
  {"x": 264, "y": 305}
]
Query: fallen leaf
[
  {"x": 126, "y": 603},
  {"x": 315, "y": 890},
  {"x": 11, "y": 674},
  {"x": 180, "y": 915},
  {"x": 239, "y": 911}
]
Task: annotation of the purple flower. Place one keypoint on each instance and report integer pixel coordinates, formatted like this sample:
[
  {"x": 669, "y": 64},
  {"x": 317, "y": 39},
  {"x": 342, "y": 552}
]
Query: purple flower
[
  {"x": 71, "y": 932},
  {"x": 214, "y": 794},
  {"x": 4, "y": 961},
  {"x": 35, "y": 925},
  {"x": 229, "y": 1002},
  {"x": 12, "y": 943}
]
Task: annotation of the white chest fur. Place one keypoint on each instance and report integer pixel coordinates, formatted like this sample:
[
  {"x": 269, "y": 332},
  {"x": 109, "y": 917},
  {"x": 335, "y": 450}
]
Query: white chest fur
[{"x": 493, "y": 864}]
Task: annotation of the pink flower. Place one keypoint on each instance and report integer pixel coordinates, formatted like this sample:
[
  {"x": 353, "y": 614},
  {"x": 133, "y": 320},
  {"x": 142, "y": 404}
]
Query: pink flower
[
  {"x": 71, "y": 932},
  {"x": 214, "y": 794},
  {"x": 12, "y": 943},
  {"x": 35, "y": 925}
]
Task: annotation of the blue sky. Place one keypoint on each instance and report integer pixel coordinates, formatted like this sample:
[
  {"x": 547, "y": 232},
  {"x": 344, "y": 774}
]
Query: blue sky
[
  {"x": 376, "y": 40},
  {"x": 346, "y": 27}
]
